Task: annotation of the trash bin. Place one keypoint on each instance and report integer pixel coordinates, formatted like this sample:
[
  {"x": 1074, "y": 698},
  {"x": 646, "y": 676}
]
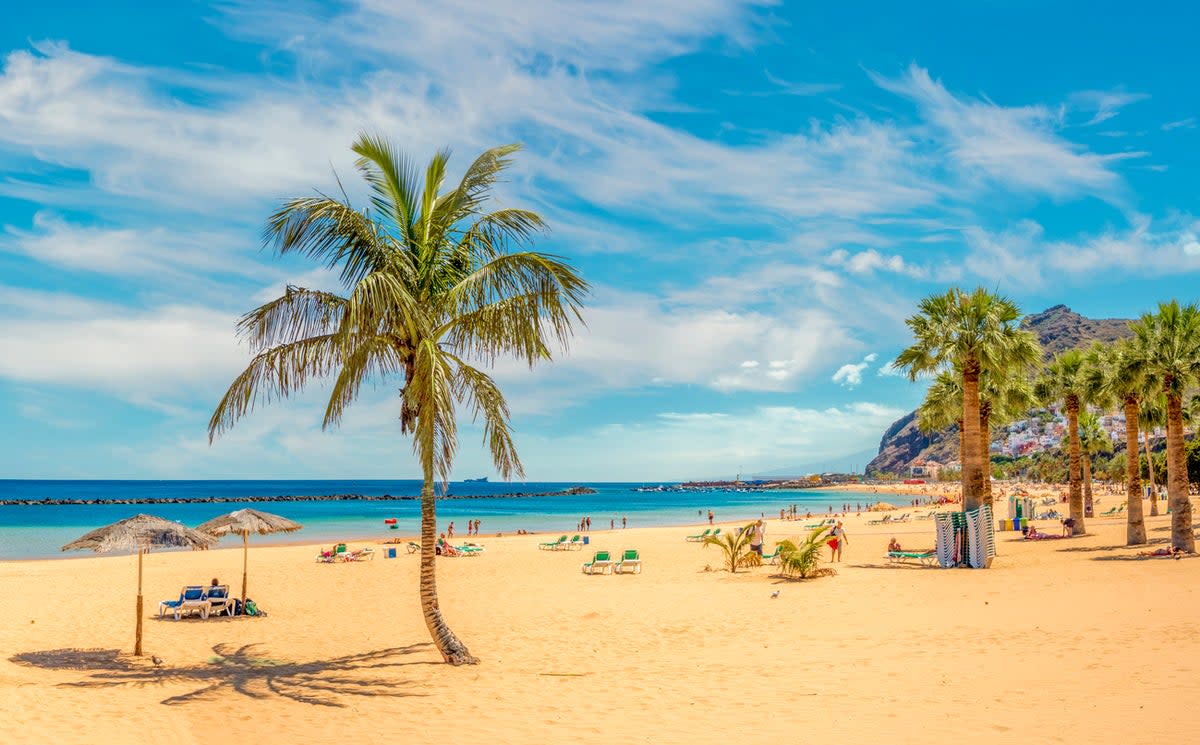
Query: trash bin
[
  {"x": 390, "y": 553},
  {"x": 585, "y": 540}
]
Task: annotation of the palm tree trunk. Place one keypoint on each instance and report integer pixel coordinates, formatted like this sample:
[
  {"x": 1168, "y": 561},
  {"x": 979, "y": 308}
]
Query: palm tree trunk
[
  {"x": 1182, "y": 536},
  {"x": 1135, "y": 528},
  {"x": 453, "y": 650},
  {"x": 972, "y": 460},
  {"x": 1073, "y": 465},
  {"x": 1150, "y": 471},
  {"x": 1086, "y": 462},
  {"x": 985, "y": 444}
]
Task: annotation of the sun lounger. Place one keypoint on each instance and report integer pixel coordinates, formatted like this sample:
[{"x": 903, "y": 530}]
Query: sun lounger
[
  {"x": 772, "y": 558},
  {"x": 362, "y": 554},
  {"x": 469, "y": 549},
  {"x": 927, "y": 558},
  {"x": 219, "y": 601},
  {"x": 553, "y": 545},
  {"x": 699, "y": 537},
  {"x": 575, "y": 542},
  {"x": 192, "y": 601},
  {"x": 886, "y": 519},
  {"x": 191, "y": 592},
  {"x": 413, "y": 547},
  {"x": 631, "y": 562},
  {"x": 823, "y": 523},
  {"x": 903, "y": 518},
  {"x": 601, "y": 563}
]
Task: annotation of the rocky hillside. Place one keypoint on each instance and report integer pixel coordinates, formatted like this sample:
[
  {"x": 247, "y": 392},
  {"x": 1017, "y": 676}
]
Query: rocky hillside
[
  {"x": 1057, "y": 328},
  {"x": 1060, "y": 328}
]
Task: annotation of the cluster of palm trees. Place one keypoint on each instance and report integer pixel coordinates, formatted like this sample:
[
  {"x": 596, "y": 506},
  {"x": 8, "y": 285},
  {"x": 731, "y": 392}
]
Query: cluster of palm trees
[
  {"x": 988, "y": 370},
  {"x": 438, "y": 284}
]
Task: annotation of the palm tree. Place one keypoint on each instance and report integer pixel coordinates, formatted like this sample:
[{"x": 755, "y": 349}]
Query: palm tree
[
  {"x": 1116, "y": 374},
  {"x": 1092, "y": 440},
  {"x": 735, "y": 548},
  {"x": 1063, "y": 381},
  {"x": 437, "y": 281},
  {"x": 1171, "y": 339},
  {"x": 969, "y": 333},
  {"x": 1151, "y": 416},
  {"x": 1001, "y": 399}
]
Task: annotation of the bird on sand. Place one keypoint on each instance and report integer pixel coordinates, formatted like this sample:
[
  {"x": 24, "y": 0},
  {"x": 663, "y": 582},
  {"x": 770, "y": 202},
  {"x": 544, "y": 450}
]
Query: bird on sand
[{"x": 775, "y": 594}]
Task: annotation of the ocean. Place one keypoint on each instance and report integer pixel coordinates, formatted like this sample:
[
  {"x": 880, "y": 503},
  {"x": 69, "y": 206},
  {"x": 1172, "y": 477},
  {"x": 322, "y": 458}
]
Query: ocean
[{"x": 38, "y": 531}]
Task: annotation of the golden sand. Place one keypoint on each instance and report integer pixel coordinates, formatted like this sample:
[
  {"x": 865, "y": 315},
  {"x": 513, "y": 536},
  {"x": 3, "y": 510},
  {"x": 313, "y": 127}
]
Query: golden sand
[{"x": 1063, "y": 641}]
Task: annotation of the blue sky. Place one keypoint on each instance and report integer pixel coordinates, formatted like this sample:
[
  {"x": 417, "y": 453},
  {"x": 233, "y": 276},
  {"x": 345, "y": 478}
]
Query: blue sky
[{"x": 759, "y": 192}]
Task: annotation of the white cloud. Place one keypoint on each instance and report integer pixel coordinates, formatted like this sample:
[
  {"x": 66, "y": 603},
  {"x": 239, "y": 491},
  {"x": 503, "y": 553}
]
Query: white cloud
[
  {"x": 1188, "y": 123},
  {"x": 681, "y": 445},
  {"x": 870, "y": 261},
  {"x": 1016, "y": 147},
  {"x": 889, "y": 370},
  {"x": 850, "y": 374},
  {"x": 1105, "y": 104},
  {"x": 145, "y": 356}
]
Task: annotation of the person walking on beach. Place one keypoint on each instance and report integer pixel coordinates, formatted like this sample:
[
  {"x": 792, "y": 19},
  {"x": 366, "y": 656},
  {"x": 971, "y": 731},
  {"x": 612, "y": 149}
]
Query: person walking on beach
[
  {"x": 450, "y": 530},
  {"x": 757, "y": 537},
  {"x": 710, "y": 517},
  {"x": 587, "y": 521},
  {"x": 837, "y": 540},
  {"x": 624, "y": 523}
]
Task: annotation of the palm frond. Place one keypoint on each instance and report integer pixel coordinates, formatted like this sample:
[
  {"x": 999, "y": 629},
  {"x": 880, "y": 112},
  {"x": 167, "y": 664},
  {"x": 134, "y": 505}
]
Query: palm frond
[
  {"x": 275, "y": 373},
  {"x": 331, "y": 232},
  {"x": 376, "y": 356},
  {"x": 393, "y": 181},
  {"x": 297, "y": 314},
  {"x": 482, "y": 396}
]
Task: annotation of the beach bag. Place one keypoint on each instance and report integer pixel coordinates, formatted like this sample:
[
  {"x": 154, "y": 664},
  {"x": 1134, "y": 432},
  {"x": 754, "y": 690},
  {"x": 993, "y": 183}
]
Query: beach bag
[{"x": 252, "y": 608}]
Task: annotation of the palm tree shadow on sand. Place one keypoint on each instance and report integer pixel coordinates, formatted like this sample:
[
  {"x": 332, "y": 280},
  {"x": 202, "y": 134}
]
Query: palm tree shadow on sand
[{"x": 242, "y": 670}]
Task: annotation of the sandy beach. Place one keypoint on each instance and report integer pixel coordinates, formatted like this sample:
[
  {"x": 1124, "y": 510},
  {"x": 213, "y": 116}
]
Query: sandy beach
[{"x": 675, "y": 654}]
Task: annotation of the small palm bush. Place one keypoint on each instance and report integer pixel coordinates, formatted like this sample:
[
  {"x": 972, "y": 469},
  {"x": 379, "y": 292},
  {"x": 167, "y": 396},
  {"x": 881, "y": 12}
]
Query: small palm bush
[
  {"x": 736, "y": 548},
  {"x": 803, "y": 560}
]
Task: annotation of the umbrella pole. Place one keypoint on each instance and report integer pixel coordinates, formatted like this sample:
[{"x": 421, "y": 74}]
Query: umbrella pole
[
  {"x": 137, "y": 645},
  {"x": 245, "y": 555}
]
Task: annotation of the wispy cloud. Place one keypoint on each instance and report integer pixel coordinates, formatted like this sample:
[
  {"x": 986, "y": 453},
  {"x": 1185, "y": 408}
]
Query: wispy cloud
[
  {"x": 1104, "y": 105},
  {"x": 1189, "y": 123},
  {"x": 1017, "y": 147}
]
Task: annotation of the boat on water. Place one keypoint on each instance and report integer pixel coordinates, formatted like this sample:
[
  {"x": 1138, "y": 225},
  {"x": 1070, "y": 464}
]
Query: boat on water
[{"x": 480, "y": 480}]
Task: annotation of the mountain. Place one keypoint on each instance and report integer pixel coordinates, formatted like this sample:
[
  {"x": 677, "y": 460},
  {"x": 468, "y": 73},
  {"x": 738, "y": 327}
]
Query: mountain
[{"x": 1057, "y": 328}]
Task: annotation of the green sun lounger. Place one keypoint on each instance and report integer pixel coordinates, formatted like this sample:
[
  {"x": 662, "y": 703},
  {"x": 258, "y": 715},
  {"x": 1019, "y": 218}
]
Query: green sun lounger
[
  {"x": 575, "y": 542},
  {"x": 553, "y": 545},
  {"x": 927, "y": 558},
  {"x": 699, "y": 537},
  {"x": 630, "y": 563},
  {"x": 601, "y": 563}
]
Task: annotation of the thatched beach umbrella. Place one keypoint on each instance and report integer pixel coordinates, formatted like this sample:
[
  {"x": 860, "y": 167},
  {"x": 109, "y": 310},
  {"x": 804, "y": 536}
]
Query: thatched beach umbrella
[
  {"x": 245, "y": 522},
  {"x": 139, "y": 533}
]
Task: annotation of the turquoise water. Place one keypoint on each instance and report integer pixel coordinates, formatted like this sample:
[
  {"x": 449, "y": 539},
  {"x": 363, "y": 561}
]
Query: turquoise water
[{"x": 38, "y": 531}]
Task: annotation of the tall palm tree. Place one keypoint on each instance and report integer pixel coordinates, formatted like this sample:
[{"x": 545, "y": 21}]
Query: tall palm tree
[
  {"x": 1152, "y": 416},
  {"x": 968, "y": 332},
  {"x": 1116, "y": 374},
  {"x": 1001, "y": 400},
  {"x": 1063, "y": 382},
  {"x": 1092, "y": 441},
  {"x": 438, "y": 281},
  {"x": 1171, "y": 339}
]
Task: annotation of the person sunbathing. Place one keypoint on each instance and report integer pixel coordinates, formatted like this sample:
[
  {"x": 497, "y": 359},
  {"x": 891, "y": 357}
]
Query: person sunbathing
[
  {"x": 1033, "y": 535},
  {"x": 894, "y": 545},
  {"x": 1164, "y": 551}
]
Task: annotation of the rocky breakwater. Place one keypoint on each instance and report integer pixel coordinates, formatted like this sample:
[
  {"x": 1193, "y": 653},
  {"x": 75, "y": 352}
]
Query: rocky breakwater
[{"x": 573, "y": 491}]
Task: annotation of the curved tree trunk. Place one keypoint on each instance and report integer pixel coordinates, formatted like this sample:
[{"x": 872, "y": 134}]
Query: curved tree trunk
[
  {"x": 1150, "y": 471},
  {"x": 453, "y": 650},
  {"x": 1135, "y": 529},
  {"x": 972, "y": 459},
  {"x": 985, "y": 445},
  {"x": 1085, "y": 460},
  {"x": 1073, "y": 466},
  {"x": 1182, "y": 536}
]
